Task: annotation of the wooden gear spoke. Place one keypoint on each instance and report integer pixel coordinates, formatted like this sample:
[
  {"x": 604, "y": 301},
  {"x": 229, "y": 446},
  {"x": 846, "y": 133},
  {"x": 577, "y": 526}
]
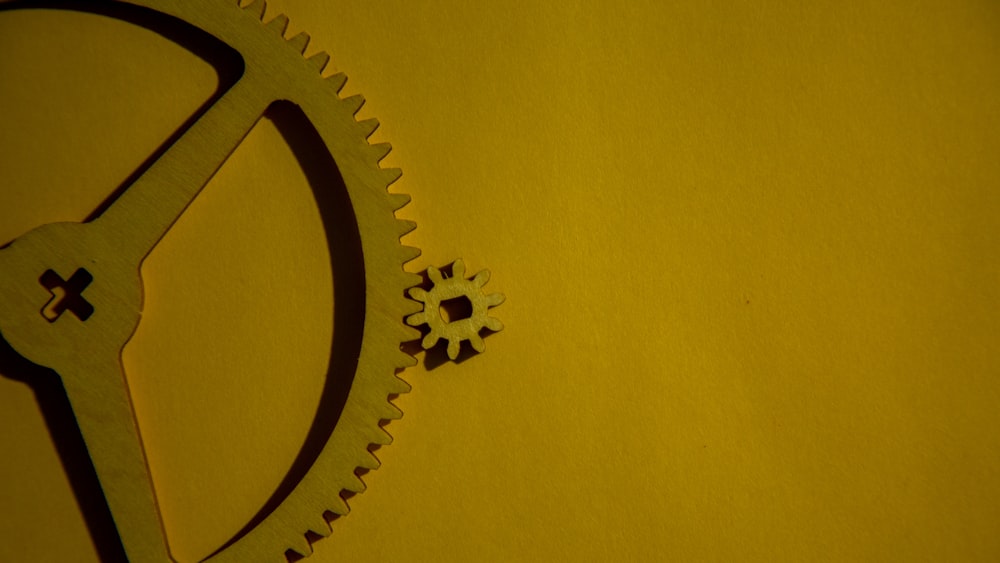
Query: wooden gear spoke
[
  {"x": 99, "y": 395},
  {"x": 140, "y": 217},
  {"x": 85, "y": 348}
]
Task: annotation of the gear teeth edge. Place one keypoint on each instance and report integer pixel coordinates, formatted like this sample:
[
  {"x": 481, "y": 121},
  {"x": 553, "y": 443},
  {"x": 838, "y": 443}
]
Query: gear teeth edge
[
  {"x": 337, "y": 81},
  {"x": 300, "y": 42},
  {"x": 278, "y": 24},
  {"x": 410, "y": 253},
  {"x": 257, "y": 8},
  {"x": 318, "y": 526},
  {"x": 368, "y": 461},
  {"x": 354, "y": 102},
  {"x": 368, "y": 126},
  {"x": 319, "y": 61},
  {"x": 391, "y": 412},
  {"x": 355, "y": 484},
  {"x": 405, "y": 361},
  {"x": 407, "y": 332},
  {"x": 410, "y": 280},
  {"x": 381, "y": 150},
  {"x": 399, "y": 201},
  {"x": 391, "y": 175},
  {"x": 317, "y": 523},
  {"x": 405, "y": 226},
  {"x": 400, "y": 385},
  {"x": 300, "y": 545},
  {"x": 387, "y": 411},
  {"x": 383, "y": 438},
  {"x": 340, "y": 506}
]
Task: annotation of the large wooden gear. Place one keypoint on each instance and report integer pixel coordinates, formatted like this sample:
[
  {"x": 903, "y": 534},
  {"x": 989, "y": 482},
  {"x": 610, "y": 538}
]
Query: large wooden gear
[{"x": 71, "y": 294}]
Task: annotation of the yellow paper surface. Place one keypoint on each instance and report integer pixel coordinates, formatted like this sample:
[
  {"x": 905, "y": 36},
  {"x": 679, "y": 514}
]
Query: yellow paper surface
[{"x": 749, "y": 254}]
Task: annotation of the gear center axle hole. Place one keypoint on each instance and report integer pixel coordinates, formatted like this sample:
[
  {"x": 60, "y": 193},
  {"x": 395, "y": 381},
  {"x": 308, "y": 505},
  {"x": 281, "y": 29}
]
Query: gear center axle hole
[{"x": 455, "y": 309}]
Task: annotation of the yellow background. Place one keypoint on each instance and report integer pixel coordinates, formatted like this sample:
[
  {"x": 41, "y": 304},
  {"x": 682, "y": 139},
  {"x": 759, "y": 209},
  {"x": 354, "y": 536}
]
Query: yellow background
[{"x": 749, "y": 253}]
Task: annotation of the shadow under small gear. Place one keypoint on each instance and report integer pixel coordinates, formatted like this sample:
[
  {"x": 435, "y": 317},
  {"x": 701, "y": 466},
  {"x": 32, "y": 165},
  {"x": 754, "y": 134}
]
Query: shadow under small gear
[{"x": 455, "y": 287}]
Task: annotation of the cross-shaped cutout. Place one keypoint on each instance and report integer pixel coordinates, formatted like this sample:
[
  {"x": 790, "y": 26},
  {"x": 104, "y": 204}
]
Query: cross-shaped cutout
[{"x": 67, "y": 295}]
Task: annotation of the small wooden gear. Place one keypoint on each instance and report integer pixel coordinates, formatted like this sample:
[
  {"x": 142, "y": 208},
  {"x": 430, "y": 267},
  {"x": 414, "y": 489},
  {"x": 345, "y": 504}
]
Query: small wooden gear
[{"x": 457, "y": 330}]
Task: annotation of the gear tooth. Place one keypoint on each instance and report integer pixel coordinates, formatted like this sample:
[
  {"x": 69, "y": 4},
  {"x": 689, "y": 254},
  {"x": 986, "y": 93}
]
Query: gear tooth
[
  {"x": 368, "y": 461},
  {"x": 416, "y": 319},
  {"x": 391, "y": 175},
  {"x": 405, "y": 361},
  {"x": 299, "y": 544},
  {"x": 453, "y": 347},
  {"x": 409, "y": 309},
  {"x": 355, "y": 484},
  {"x": 481, "y": 278},
  {"x": 404, "y": 226},
  {"x": 392, "y": 412},
  {"x": 319, "y": 526},
  {"x": 256, "y": 8},
  {"x": 278, "y": 24},
  {"x": 410, "y": 279},
  {"x": 400, "y": 386},
  {"x": 337, "y": 81},
  {"x": 477, "y": 343},
  {"x": 435, "y": 275},
  {"x": 319, "y": 61},
  {"x": 399, "y": 201},
  {"x": 355, "y": 102},
  {"x": 381, "y": 437},
  {"x": 381, "y": 150},
  {"x": 368, "y": 126},
  {"x": 300, "y": 42},
  {"x": 339, "y": 506},
  {"x": 409, "y": 253}
]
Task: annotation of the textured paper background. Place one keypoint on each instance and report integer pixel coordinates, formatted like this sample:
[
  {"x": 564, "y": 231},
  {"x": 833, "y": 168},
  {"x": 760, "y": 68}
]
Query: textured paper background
[{"x": 750, "y": 255}]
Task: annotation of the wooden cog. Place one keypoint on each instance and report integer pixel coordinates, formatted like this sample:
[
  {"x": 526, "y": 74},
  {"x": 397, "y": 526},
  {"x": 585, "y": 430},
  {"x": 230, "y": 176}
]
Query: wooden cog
[{"x": 91, "y": 271}]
